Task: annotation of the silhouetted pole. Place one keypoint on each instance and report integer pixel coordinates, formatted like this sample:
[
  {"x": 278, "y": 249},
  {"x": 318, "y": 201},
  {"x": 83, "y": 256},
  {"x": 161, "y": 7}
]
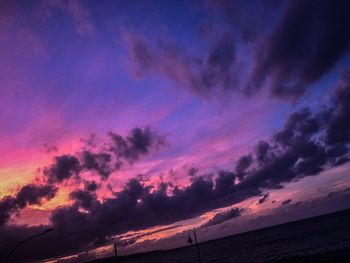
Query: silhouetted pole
[
  {"x": 195, "y": 241},
  {"x": 115, "y": 251},
  {"x": 25, "y": 240}
]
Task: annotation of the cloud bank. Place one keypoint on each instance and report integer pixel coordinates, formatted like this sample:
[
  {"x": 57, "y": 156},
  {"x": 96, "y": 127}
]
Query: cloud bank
[{"x": 309, "y": 143}]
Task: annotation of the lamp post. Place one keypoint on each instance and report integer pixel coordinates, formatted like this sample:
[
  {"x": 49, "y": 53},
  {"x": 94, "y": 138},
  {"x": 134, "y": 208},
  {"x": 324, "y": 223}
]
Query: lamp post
[
  {"x": 115, "y": 250},
  {"x": 25, "y": 240},
  {"x": 189, "y": 240}
]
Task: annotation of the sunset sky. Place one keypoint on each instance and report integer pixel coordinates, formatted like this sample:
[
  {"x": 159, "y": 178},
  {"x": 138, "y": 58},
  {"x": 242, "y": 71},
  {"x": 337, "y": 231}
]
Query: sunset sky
[{"x": 137, "y": 120}]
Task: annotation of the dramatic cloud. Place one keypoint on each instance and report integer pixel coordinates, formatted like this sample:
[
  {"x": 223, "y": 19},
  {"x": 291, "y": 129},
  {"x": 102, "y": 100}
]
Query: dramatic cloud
[
  {"x": 98, "y": 162},
  {"x": 138, "y": 143},
  {"x": 136, "y": 207},
  {"x": 304, "y": 147},
  {"x": 224, "y": 216},
  {"x": 64, "y": 167},
  {"x": 83, "y": 199},
  {"x": 308, "y": 41},
  {"x": 338, "y": 131},
  {"x": 7, "y": 207},
  {"x": 28, "y": 195},
  {"x": 287, "y": 54},
  {"x": 32, "y": 194},
  {"x": 212, "y": 75},
  {"x": 243, "y": 164},
  {"x": 108, "y": 158}
]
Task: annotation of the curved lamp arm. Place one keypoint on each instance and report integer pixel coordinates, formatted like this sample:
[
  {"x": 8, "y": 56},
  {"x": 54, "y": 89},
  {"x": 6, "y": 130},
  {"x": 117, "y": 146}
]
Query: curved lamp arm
[{"x": 25, "y": 240}]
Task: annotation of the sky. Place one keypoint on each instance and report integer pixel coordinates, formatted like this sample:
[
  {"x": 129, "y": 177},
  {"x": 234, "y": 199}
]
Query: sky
[{"x": 138, "y": 120}]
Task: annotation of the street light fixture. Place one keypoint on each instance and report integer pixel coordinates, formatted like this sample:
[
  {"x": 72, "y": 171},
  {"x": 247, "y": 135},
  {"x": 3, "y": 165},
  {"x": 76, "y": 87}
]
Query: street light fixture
[
  {"x": 189, "y": 240},
  {"x": 25, "y": 240}
]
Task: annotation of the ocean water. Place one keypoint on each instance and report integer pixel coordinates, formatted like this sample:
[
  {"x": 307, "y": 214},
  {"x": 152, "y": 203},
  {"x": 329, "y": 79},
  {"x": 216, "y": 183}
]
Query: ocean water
[{"x": 319, "y": 239}]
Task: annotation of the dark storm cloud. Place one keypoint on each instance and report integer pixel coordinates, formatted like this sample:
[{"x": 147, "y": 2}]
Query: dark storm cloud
[
  {"x": 338, "y": 131},
  {"x": 224, "y": 216},
  {"x": 7, "y": 207},
  {"x": 263, "y": 152},
  {"x": 28, "y": 195},
  {"x": 32, "y": 194},
  {"x": 308, "y": 41},
  {"x": 83, "y": 199},
  {"x": 309, "y": 143},
  {"x": 211, "y": 75},
  {"x": 64, "y": 167},
  {"x": 293, "y": 44},
  {"x": 98, "y": 162},
  {"x": 117, "y": 151},
  {"x": 138, "y": 143},
  {"x": 301, "y": 157},
  {"x": 243, "y": 164},
  {"x": 301, "y": 123}
]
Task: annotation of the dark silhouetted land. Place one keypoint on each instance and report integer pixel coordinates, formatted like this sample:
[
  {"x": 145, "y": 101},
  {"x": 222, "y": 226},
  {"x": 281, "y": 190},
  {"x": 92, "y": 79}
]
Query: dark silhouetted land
[{"x": 323, "y": 238}]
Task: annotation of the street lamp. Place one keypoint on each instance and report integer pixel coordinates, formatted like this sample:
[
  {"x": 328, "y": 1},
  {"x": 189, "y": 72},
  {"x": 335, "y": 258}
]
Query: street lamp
[
  {"x": 25, "y": 240},
  {"x": 115, "y": 250},
  {"x": 189, "y": 240}
]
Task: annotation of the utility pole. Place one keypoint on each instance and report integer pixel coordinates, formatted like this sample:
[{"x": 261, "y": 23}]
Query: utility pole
[{"x": 115, "y": 251}]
